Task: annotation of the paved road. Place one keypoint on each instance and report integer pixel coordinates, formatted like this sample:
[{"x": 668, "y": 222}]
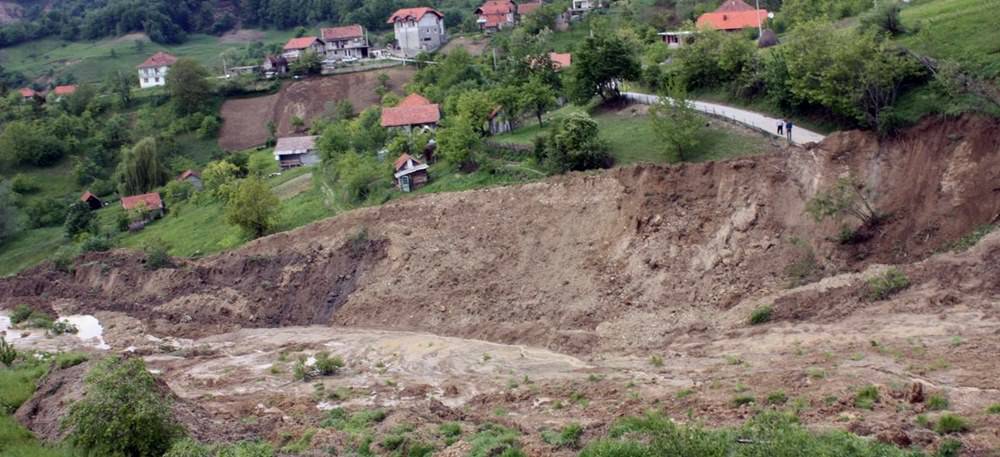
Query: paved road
[{"x": 749, "y": 118}]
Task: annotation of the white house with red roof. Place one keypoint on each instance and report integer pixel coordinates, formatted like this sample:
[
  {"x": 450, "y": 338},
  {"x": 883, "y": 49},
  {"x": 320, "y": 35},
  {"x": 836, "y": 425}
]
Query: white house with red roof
[
  {"x": 414, "y": 111},
  {"x": 343, "y": 42},
  {"x": 418, "y": 30},
  {"x": 153, "y": 72},
  {"x": 409, "y": 173},
  {"x": 296, "y": 47}
]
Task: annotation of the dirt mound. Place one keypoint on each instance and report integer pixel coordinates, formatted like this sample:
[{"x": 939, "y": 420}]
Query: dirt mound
[
  {"x": 245, "y": 120},
  {"x": 628, "y": 259}
]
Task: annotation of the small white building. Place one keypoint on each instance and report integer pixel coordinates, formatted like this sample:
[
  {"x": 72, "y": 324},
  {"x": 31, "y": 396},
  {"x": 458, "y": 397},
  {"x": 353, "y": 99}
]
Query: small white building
[
  {"x": 153, "y": 72},
  {"x": 418, "y": 30},
  {"x": 298, "y": 46},
  {"x": 345, "y": 42},
  {"x": 296, "y": 151},
  {"x": 676, "y": 39},
  {"x": 582, "y": 6}
]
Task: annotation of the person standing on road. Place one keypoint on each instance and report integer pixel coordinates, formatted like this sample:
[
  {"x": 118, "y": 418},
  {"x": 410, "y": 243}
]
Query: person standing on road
[
  {"x": 781, "y": 127},
  {"x": 788, "y": 130}
]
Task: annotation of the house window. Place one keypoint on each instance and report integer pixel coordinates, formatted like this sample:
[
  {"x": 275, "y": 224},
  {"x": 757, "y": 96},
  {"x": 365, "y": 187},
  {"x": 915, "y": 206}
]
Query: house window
[
  {"x": 157, "y": 79},
  {"x": 145, "y": 80}
]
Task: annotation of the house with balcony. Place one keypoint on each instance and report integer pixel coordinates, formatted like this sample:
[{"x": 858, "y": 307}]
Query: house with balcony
[
  {"x": 153, "y": 72},
  {"x": 418, "y": 30},
  {"x": 349, "y": 41}
]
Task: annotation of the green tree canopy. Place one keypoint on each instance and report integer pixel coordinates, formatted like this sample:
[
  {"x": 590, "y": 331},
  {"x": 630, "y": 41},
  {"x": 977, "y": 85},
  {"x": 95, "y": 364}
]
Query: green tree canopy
[
  {"x": 188, "y": 86},
  {"x": 123, "y": 413},
  {"x": 142, "y": 169},
  {"x": 574, "y": 143},
  {"x": 676, "y": 123},
  {"x": 600, "y": 64},
  {"x": 457, "y": 141},
  {"x": 253, "y": 206}
]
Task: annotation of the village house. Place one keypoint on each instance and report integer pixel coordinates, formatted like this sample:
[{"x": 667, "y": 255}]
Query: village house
[
  {"x": 274, "y": 66},
  {"x": 91, "y": 200},
  {"x": 296, "y": 47},
  {"x": 63, "y": 91},
  {"x": 580, "y": 8},
  {"x": 418, "y": 30},
  {"x": 409, "y": 173},
  {"x": 192, "y": 177},
  {"x": 345, "y": 42},
  {"x": 524, "y": 9},
  {"x": 412, "y": 112},
  {"x": 676, "y": 39},
  {"x": 28, "y": 94},
  {"x": 732, "y": 16},
  {"x": 561, "y": 61},
  {"x": 296, "y": 151},
  {"x": 153, "y": 72},
  {"x": 496, "y": 15},
  {"x": 143, "y": 208}
]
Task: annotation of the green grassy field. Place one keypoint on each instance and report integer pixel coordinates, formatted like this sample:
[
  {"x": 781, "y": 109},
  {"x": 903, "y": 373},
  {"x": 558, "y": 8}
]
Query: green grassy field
[
  {"x": 91, "y": 61},
  {"x": 631, "y": 138},
  {"x": 963, "y": 30}
]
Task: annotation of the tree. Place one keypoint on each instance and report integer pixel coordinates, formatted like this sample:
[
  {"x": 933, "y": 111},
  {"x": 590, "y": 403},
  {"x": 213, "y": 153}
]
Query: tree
[
  {"x": 253, "y": 207},
  {"x": 79, "y": 219},
  {"x": 9, "y": 214},
  {"x": 219, "y": 177},
  {"x": 847, "y": 197},
  {"x": 122, "y": 413},
  {"x": 457, "y": 141},
  {"x": 188, "y": 86},
  {"x": 359, "y": 175},
  {"x": 884, "y": 18},
  {"x": 676, "y": 123},
  {"x": 309, "y": 63},
  {"x": 600, "y": 64},
  {"x": 335, "y": 140},
  {"x": 344, "y": 110},
  {"x": 142, "y": 169},
  {"x": 33, "y": 143},
  {"x": 537, "y": 97},
  {"x": 574, "y": 143}
]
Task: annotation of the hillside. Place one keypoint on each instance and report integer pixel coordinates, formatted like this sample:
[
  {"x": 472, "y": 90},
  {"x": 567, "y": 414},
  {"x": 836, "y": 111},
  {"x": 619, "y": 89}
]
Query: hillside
[{"x": 612, "y": 268}]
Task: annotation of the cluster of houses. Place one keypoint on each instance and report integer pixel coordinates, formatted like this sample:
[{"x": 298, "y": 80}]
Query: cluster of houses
[
  {"x": 731, "y": 16},
  {"x": 57, "y": 93},
  {"x": 142, "y": 208}
]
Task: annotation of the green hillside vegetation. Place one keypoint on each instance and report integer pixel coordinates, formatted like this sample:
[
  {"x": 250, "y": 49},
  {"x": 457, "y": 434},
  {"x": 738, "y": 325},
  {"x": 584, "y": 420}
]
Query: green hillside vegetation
[{"x": 961, "y": 30}]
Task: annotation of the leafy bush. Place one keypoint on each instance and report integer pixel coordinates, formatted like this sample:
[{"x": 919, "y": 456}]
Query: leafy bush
[
  {"x": 450, "y": 431},
  {"x": 491, "y": 440},
  {"x": 63, "y": 327},
  {"x": 8, "y": 354},
  {"x": 741, "y": 400},
  {"x": 950, "y": 423},
  {"x": 23, "y": 184},
  {"x": 177, "y": 192},
  {"x": 937, "y": 402},
  {"x": 21, "y": 313},
  {"x": 568, "y": 437},
  {"x": 993, "y": 409},
  {"x": 122, "y": 414},
  {"x": 866, "y": 397},
  {"x": 883, "y": 286},
  {"x": 70, "y": 359},
  {"x": 79, "y": 219},
  {"x": 326, "y": 365},
  {"x": 574, "y": 144},
  {"x": 884, "y": 18},
  {"x": 760, "y": 315},
  {"x": 339, "y": 419},
  {"x": 777, "y": 398},
  {"x": 47, "y": 212},
  {"x": 156, "y": 255},
  {"x": 99, "y": 243}
]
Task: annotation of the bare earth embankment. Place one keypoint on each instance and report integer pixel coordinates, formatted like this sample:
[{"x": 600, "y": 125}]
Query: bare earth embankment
[
  {"x": 621, "y": 288},
  {"x": 245, "y": 119}
]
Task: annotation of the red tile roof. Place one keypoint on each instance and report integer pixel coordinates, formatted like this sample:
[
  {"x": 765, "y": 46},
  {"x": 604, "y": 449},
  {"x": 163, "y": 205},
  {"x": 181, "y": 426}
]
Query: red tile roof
[
  {"x": 346, "y": 32},
  {"x": 401, "y": 161},
  {"x": 561, "y": 60},
  {"x": 64, "y": 90},
  {"x": 300, "y": 43},
  {"x": 87, "y": 196},
  {"x": 151, "y": 200},
  {"x": 412, "y": 14},
  {"x": 732, "y": 20},
  {"x": 410, "y": 115},
  {"x": 496, "y": 7},
  {"x": 733, "y": 5},
  {"x": 27, "y": 92},
  {"x": 187, "y": 174},
  {"x": 413, "y": 100},
  {"x": 528, "y": 8},
  {"x": 160, "y": 59}
]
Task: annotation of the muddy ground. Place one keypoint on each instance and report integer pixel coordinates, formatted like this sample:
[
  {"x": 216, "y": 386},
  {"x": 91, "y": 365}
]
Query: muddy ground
[
  {"x": 587, "y": 297},
  {"x": 245, "y": 119}
]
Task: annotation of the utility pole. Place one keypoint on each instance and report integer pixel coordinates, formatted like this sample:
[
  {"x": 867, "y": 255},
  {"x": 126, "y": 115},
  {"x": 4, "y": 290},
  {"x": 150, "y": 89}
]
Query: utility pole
[{"x": 760, "y": 27}]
